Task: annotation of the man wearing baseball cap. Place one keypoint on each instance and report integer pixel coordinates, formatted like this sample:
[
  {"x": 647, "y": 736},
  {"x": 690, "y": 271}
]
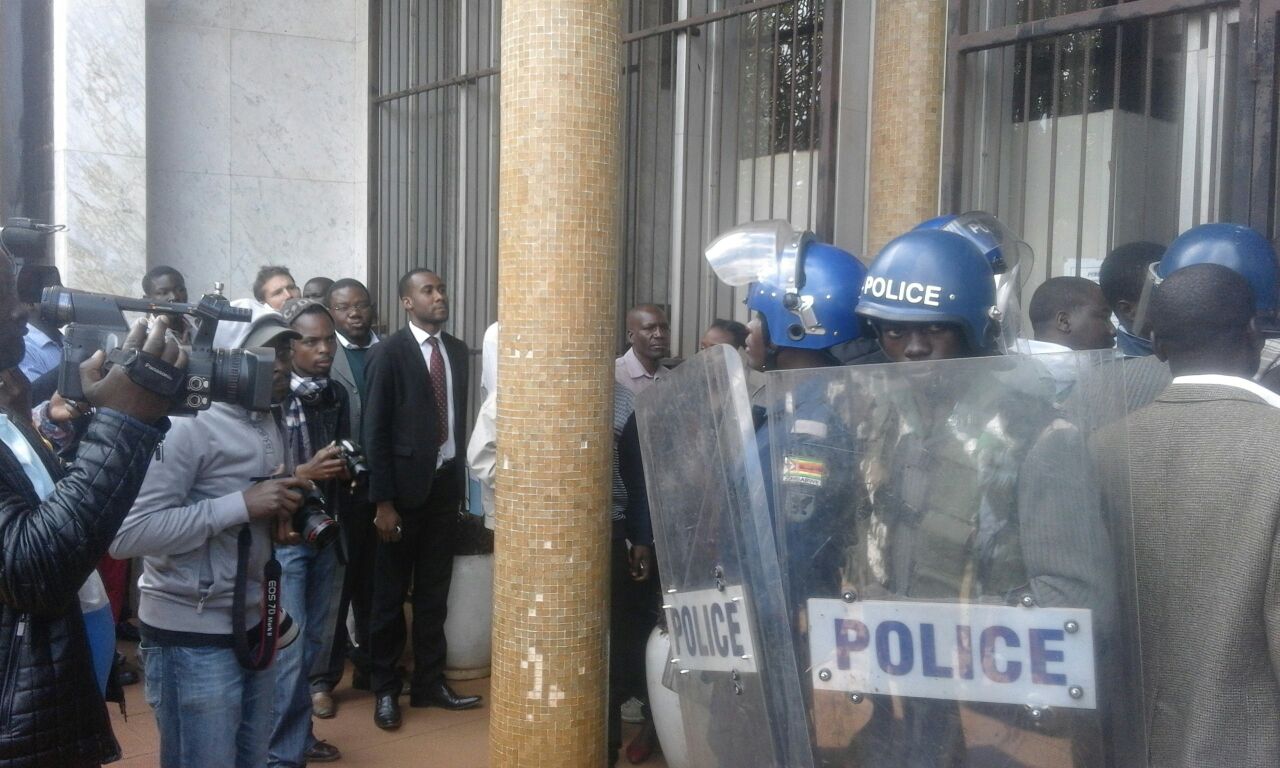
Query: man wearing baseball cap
[{"x": 203, "y": 524}]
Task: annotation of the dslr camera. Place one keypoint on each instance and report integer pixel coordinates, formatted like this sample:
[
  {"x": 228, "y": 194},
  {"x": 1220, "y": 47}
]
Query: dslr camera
[
  {"x": 95, "y": 321},
  {"x": 313, "y": 523},
  {"x": 350, "y": 452}
]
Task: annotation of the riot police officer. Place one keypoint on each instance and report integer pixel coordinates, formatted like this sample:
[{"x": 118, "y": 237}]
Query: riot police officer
[
  {"x": 970, "y": 473},
  {"x": 801, "y": 327},
  {"x": 802, "y": 301},
  {"x": 1243, "y": 251}
]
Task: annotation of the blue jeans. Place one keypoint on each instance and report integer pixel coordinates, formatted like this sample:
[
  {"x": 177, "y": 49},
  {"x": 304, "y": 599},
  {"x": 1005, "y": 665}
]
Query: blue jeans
[
  {"x": 310, "y": 589},
  {"x": 210, "y": 711}
]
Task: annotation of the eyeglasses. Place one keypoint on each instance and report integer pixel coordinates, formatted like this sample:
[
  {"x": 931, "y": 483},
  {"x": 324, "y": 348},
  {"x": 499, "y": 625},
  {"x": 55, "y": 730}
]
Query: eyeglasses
[{"x": 363, "y": 306}]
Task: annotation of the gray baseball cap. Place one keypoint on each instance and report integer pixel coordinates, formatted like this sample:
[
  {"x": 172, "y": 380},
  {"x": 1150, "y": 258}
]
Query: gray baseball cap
[{"x": 268, "y": 330}]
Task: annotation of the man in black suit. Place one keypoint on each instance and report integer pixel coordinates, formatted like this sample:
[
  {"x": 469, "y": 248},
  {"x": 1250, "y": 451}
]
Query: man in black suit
[{"x": 415, "y": 414}]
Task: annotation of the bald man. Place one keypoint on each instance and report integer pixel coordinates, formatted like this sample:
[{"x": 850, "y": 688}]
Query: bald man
[
  {"x": 649, "y": 335},
  {"x": 1072, "y": 312}
]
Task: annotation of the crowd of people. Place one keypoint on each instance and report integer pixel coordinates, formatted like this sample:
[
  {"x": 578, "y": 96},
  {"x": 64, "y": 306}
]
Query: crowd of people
[
  {"x": 265, "y": 536},
  {"x": 258, "y": 532}
]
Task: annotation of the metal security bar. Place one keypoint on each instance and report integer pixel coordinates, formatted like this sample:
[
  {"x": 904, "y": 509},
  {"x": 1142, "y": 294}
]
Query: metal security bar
[
  {"x": 433, "y": 143},
  {"x": 1085, "y": 124},
  {"x": 727, "y": 121}
]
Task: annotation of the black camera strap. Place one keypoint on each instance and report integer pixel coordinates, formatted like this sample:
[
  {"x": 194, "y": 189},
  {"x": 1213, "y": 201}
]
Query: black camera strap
[
  {"x": 260, "y": 655},
  {"x": 148, "y": 371}
]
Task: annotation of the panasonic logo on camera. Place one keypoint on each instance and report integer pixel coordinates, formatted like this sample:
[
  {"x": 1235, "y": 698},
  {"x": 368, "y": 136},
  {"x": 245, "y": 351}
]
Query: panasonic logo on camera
[{"x": 894, "y": 290}]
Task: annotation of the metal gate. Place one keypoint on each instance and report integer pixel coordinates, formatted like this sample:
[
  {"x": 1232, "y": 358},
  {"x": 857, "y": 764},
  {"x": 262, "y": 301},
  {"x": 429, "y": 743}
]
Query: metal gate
[
  {"x": 1086, "y": 124},
  {"x": 728, "y": 120},
  {"x": 433, "y": 143}
]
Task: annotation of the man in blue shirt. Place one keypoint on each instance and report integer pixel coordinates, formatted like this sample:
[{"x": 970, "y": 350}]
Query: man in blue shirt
[{"x": 43, "y": 340}]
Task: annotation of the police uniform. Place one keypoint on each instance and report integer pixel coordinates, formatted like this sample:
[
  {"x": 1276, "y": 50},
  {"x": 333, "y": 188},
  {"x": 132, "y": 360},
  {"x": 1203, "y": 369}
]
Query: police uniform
[
  {"x": 978, "y": 495},
  {"x": 978, "y": 489}
]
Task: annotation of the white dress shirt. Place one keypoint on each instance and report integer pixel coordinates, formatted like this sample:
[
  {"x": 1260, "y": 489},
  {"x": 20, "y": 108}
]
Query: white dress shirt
[
  {"x": 1252, "y": 387},
  {"x": 449, "y": 448},
  {"x": 349, "y": 344}
]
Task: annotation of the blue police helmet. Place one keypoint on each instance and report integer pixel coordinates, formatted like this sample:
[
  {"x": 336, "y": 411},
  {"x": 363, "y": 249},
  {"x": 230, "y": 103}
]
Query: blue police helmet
[
  {"x": 1002, "y": 249},
  {"x": 933, "y": 276},
  {"x": 819, "y": 312},
  {"x": 1235, "y": 247}
]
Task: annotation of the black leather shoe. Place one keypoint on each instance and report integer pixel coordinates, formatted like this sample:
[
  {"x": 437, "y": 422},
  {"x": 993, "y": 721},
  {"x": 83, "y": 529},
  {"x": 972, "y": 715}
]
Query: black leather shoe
[
  {"x": 441, "y": 695},
  {"x": 386, "y": 712}
]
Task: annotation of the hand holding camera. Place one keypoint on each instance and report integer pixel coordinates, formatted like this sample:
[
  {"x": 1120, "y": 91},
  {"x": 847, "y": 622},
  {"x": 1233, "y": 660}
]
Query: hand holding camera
[
  {"x": 327, "y": 464},
  {"x": 94, "y": 323},
  {"x": 277, "y": 498},
  {"x": 116, "y": 390}
]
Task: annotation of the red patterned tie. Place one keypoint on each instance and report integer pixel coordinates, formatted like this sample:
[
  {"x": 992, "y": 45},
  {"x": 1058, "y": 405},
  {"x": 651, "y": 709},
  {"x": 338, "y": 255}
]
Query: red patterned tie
[{"x": 438, "y": 388}]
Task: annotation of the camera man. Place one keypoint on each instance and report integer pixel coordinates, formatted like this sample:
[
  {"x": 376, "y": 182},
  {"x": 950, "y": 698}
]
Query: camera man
[
  {"x": 210, "y": 617},
  {"x": 315, "y": 418},
  {"x": 55, "y": 525}
]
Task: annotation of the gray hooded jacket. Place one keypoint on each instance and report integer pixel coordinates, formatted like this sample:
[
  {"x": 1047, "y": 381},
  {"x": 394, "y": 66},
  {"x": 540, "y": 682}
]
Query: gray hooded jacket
[{"x": 186, "y": 519}]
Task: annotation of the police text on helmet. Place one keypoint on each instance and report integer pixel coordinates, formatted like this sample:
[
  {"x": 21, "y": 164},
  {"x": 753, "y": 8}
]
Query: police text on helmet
[{"x": 894, "y": 290}]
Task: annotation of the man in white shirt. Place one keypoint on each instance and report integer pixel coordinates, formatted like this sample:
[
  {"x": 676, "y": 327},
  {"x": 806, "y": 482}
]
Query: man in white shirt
[
  {"x": 273, "y": 286},
  {"x": 649, "y": 334},
  {"x": 1070, "y": 313}
]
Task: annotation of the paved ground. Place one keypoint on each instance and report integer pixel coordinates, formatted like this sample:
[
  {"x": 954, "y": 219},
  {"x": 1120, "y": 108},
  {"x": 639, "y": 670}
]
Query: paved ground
[{"x": 428, "y": 738}]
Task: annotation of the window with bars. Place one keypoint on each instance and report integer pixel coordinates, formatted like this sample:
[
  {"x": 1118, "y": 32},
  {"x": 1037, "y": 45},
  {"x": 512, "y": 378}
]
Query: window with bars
[
  {"x": 1086, "y": 124},
  {"x": 725, "y": 121}
]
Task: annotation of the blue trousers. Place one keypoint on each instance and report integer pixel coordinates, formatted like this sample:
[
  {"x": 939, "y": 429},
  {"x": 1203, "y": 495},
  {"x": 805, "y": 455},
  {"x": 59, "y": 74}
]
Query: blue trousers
[
  {"x": 210, "y": 711},
  {"x": 311, "y": 586}
]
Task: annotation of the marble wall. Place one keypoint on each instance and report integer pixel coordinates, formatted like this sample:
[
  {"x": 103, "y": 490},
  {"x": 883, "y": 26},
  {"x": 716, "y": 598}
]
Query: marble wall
[
  {"x": 100, "y": 141},
  {"x": 256, "y": 138}
]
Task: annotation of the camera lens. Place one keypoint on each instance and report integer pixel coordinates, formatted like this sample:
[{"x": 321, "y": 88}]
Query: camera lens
[
  {"x": 241, "y": 377},
  {"x": 320, "y": 530},
  {"x": 312, "y": 523},
  {"x": 55, "y": 306}
]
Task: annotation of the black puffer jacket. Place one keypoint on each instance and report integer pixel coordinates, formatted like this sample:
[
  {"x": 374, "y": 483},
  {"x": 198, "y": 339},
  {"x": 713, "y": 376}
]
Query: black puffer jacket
[{"x": 51, "y": 713}]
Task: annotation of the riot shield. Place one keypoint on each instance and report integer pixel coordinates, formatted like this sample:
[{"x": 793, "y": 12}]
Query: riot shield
[
  {"x": 732, "y": 660},
  {"x": 957, "y": 563}
]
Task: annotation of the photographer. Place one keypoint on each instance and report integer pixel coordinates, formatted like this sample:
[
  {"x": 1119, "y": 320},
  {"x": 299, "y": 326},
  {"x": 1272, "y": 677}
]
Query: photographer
[
  {"x": 55, "y": 525},
  {"x": 315, "y": 416},
  {"x": 203, "y": 524}
]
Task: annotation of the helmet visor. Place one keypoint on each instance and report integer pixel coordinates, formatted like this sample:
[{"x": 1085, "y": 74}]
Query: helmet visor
[{"x": 759, "y": 251}]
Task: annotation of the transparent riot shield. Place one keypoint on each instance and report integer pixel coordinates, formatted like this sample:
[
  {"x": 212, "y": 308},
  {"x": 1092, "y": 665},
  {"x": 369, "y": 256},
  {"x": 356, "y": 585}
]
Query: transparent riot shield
[
  {"x": 957, "y": 561},
  {"x": 732, "y": 661}
]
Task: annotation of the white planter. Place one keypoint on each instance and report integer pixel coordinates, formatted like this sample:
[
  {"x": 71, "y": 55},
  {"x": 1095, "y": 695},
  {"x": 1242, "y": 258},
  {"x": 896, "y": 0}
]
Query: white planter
[
  {"x": 664, "y": 703},
  {"x": 470, "y": 621}
]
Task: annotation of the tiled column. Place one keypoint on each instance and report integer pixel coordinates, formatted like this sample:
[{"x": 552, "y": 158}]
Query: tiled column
[
  {"x": 558, "y": 307},
  {"x": 100, "y": 143},
  {"x": 906, "y": 117}
]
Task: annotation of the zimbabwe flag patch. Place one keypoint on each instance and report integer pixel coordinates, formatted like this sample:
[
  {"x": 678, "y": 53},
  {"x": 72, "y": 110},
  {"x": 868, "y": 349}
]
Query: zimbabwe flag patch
[{"x": 804, "y": 470}]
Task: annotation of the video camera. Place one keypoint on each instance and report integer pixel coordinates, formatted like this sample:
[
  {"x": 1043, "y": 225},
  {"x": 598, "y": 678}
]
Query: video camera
[
  {"x": 26, "y": 239},
  {"x": 96, "y": 321}
]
